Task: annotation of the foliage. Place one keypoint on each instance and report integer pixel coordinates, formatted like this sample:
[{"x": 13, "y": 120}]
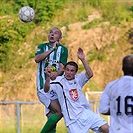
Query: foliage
[
  {"x": 10, "y": 39},
  {"x": 116, "y": 12},
  {"x": 74, "y": 11},
  {"x": 92, "y": 55},
  {"x": 96, "y": 55},
  {"x": 13, "y": 33},
  {"x": 45, "y": 10},
  {"x": 13, "y": 36}
]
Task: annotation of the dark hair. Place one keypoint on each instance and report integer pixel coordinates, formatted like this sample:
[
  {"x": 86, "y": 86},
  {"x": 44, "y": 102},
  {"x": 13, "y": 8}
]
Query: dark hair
[
  {"x": 72, "y": 63},
  {"x": 127, "y": 65}
]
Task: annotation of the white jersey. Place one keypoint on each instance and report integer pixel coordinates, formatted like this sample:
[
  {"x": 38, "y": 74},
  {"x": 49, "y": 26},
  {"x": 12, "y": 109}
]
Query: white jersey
[
  {"x": 70, "y": 96},
  {"x": 118, "y": 97}
]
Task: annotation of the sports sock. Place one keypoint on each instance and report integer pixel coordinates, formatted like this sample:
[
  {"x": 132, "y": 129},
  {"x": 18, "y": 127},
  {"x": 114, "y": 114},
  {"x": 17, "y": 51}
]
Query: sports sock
[
  {"x": 53, "y": 130},
  {"x": 50, "y": 124}
]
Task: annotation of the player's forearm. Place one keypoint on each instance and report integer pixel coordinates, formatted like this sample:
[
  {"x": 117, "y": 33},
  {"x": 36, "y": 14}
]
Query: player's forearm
[
  {"x": 42, "y": 56},
  {"x": 61, "y": 70},
  {"x": 47, "y": 84},
  {"x": 87, "y": 68}
]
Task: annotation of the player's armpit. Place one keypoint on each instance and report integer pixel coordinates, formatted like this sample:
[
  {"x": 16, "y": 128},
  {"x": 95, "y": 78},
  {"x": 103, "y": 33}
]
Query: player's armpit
[{"x": 107, "y": 113}]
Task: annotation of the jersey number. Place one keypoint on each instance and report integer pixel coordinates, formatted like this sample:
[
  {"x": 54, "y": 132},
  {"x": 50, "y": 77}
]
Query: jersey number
[{"x": 128, "y": 107}]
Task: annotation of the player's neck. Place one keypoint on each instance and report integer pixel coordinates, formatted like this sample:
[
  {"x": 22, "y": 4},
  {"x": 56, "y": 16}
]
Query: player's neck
[
  {"x": 128, "y": 75},
  {"x": 52, "y": 44}
]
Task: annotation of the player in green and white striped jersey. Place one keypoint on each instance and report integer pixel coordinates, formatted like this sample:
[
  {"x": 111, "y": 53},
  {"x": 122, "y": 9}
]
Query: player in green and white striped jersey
[{"x": 55, "y": 55}]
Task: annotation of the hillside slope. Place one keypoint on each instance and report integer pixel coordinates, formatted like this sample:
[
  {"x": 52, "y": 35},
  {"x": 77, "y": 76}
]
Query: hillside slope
[{"x": 104, "y": 46}]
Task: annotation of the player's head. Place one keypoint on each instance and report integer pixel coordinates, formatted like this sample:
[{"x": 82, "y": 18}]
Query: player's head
[
  {"x": 71, "y": 69},
  {"x": 127, "y": 65},
  {"x": 54, "y": 35}
]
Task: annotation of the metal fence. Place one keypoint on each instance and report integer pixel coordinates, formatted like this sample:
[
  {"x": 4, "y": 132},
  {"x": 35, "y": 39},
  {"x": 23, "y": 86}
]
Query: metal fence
[
  {"x": 26, "y": 117},
  {"x": 12, "y": 111}
]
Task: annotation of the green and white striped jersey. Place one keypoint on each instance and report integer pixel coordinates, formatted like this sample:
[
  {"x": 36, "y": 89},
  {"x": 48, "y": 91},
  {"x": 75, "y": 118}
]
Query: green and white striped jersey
[{"x": 59, "y": 55}]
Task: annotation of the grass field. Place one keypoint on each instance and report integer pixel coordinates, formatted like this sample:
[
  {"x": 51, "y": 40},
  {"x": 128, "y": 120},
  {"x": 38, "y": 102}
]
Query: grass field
[{"x": 32, "y": 118}]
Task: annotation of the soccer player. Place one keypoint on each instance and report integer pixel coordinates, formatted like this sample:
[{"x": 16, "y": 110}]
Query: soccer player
[
  {"x": 76, "y": 110},
  {"x": 117, "y": 99},
  {"x": 55, "y": 55}
]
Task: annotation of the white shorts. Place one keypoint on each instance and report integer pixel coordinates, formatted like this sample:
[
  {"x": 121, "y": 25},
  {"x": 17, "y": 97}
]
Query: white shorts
[
  {"x": 87, "y": 120},
  {"x": 45, "y": 98}
]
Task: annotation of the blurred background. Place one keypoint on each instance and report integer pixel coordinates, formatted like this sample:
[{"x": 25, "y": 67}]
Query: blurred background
[{"x": 103, "y": 28}]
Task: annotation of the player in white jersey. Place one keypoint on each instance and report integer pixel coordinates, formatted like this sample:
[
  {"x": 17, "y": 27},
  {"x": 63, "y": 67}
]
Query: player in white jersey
[
  {"x": 117, "y": 100},
  {"x": 55, "y": 55},
  {"x": 76, "y": 110}
]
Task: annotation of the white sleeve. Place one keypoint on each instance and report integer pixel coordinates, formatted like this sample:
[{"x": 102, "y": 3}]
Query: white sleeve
[
  {"x": 104, "y": 106},
  {"x": 82, "y": 79}
]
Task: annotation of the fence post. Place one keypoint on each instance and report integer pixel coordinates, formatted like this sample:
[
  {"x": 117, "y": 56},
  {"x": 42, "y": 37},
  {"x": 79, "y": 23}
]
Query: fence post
[{"x": 18, "y": 116}]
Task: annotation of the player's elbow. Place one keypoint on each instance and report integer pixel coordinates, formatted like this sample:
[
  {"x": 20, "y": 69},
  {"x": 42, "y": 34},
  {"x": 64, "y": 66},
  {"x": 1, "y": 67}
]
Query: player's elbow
[
  {"x": 104, "y": 111},
  {"x": 37, "y": 60},
  {"x": 45, "y": 90},
  {"x": 90, "y": 75}
]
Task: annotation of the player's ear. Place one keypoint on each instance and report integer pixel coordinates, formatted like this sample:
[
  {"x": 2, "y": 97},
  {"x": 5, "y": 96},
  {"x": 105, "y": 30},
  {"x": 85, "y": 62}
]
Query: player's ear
[{"x": 60, "y": 38}]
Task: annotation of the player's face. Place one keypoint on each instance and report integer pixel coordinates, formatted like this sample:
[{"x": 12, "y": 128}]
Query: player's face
[
  {"x": 70, "y": 72},
  {"x": 54, "y": 35}
]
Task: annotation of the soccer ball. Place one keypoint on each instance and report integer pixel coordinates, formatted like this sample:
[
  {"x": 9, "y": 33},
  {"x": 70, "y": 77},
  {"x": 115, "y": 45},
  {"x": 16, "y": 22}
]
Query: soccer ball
[{"x": 26, "y": 14}]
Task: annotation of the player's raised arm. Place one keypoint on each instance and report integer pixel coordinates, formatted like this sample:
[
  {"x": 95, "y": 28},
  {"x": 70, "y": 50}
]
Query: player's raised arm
[
  {"x": 81, "y": 56},
  {"x": 42, "y": 56}
]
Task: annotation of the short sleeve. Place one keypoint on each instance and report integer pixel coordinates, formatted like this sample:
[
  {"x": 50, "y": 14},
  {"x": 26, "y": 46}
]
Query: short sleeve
[
  {"x": 105, "y": 100},
  {"x": 64, "y": 55},
  {"x": 40, "y": 49},
  {"x": 82, "y": 79}
]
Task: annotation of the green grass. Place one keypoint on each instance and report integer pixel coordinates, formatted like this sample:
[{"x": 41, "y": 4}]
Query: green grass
[
  {"x": 32, "y": 119},
  {"x": 30, "y": 126}
]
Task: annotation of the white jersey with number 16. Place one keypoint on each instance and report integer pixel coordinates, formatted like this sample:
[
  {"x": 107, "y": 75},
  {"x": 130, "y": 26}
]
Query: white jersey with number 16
[{"x": 119, "y": 99}]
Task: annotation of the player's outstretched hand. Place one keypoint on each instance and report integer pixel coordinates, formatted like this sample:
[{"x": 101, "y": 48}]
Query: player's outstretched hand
[
  {"x": 81, "y": 54},
  {"x": 53, "y": 75},
  {"x": 56, "y": 44},
  {"x": 48, "y": 71}
]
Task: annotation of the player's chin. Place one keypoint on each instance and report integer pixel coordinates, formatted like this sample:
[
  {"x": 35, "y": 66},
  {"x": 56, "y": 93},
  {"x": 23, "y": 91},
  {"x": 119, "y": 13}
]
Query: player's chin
[
  {"x": 68, "y": 77},
  {"x": 52, "y": 41}
]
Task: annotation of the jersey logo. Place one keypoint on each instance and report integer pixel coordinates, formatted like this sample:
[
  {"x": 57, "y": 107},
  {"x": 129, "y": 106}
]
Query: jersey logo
[
  {"x": 52, "y": 94},
  {"x": 74, "y": 94}
]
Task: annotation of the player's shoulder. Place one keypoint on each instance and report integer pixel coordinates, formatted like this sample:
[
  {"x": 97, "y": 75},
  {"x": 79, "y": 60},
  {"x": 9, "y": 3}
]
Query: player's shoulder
[
  {"x": 80, "y": 75},
  {"x": 111, "y": 83},
  {"x": 42, "y": 44},
  {"x": 57, "y": 82},
  {"x": 63, "y": 46},
  {"x": 59, "y": 78}
]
